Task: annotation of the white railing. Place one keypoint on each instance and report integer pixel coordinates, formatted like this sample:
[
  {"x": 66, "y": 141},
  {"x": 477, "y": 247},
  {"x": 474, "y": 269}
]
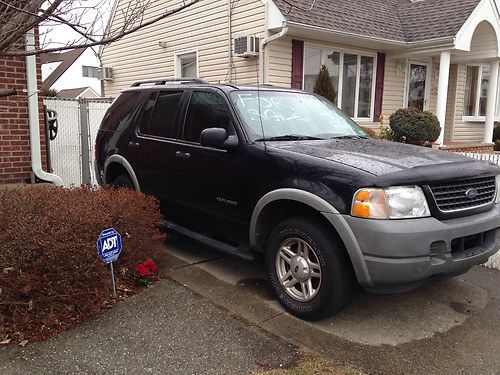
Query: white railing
[
  {"x": 494, "y": 261},
  {"x": 492, "y": 158}
]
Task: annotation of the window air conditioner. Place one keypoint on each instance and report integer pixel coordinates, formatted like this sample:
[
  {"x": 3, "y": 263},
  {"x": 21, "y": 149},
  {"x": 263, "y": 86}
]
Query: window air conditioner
[
  {"x": 246, "y": 46},
  {"x": 105, "y": 73}
]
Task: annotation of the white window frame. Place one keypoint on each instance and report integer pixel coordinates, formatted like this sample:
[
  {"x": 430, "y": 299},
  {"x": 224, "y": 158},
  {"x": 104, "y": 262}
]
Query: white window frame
[
  {"x": 179, "y": 55},
  {"x": 475, "y": 117},
  {"x": 343, "y": 51},
  {"x": 88, "y": 68},
  {"x": 427, "y": 92}
]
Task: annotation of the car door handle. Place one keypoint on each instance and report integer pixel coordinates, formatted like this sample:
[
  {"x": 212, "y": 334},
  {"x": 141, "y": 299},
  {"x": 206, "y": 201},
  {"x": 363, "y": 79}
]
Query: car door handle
[
  {"x": 134, "y": 144},
  {"x": 182, "y": 155}
]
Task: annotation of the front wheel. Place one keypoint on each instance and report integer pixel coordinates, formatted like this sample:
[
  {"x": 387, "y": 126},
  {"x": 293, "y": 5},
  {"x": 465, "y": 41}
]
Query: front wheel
[{"x": 308, "y": 269}]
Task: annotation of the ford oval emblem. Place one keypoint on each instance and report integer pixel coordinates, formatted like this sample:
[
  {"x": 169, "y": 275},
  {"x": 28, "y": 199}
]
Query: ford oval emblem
[{"x": 471, "y": 193}]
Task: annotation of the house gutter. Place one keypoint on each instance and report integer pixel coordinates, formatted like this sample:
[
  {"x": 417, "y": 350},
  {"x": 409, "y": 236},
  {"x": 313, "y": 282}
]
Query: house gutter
[
  {"x": 262, "y": 47},
  {"x": 447, "y": 40},
  {"x": 34, "y": 115}
]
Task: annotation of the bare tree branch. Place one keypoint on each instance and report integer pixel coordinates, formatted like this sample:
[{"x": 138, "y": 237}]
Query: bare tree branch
[{"x": 86, "y": 23}]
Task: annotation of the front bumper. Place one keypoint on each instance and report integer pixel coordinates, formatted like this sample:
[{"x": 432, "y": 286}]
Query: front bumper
[{"x": 404, "y": 253}]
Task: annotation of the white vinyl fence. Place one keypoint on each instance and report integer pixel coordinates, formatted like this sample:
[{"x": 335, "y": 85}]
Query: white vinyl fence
[
  {"x": 72, "y": 150},
  {"x": 494, "y": 261}
]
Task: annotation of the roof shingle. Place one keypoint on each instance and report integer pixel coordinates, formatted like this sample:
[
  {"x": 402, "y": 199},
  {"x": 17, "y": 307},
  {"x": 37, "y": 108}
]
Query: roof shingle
[{"x": 395, "y": 20}]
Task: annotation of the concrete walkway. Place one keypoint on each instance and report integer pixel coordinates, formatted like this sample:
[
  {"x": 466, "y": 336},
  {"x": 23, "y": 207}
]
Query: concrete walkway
[
  {"x": 167, "y": 329},
  {"x": 447, "y": 327},
  {"x": 216, "y": 315}
]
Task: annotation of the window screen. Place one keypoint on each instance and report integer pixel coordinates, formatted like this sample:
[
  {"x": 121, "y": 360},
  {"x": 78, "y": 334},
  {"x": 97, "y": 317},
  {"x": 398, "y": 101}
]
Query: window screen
[
  {"x": 164, "y": 114},
  {"x": 206, "y": 110}
]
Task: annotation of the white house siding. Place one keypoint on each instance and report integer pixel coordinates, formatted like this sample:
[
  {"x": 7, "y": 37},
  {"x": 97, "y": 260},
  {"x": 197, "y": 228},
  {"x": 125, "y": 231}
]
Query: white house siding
[
  {"x": 464, "y": 131},
  {"x": 394, "y": 87},
  {"x": 202, "y": 27},
  {"x": 450, "y": 104},
  {"x": 483, "y": 45},
  {"x": 433, "y": 82},
  {"x": 249, "y": 17},
  {"x": 279, "y": 63}
]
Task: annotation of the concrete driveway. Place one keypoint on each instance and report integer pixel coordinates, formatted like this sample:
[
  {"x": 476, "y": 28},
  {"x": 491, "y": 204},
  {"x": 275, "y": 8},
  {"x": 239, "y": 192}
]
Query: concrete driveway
[
  {"x": 166, "y": 329},
  {"x": 446, "y": 327}
]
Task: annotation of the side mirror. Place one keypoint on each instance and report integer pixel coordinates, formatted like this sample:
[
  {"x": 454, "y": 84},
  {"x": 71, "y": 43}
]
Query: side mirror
[{"x": 217, "y": 138}]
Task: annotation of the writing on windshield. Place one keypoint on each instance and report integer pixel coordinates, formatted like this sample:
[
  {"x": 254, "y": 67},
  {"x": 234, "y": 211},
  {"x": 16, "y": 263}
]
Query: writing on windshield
[{"x": 278, "y": 113}]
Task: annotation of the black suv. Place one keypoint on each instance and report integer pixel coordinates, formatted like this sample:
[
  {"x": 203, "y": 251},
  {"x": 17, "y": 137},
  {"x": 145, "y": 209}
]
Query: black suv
[{"x": 285, "y": 173}]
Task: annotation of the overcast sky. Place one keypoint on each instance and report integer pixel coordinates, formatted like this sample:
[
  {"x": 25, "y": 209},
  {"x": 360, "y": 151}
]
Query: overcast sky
[{"x": 58, "y": 35}]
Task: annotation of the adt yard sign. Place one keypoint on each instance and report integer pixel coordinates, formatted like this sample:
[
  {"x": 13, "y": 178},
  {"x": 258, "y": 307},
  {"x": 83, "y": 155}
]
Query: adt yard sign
[{"x": 109, "y": 245}]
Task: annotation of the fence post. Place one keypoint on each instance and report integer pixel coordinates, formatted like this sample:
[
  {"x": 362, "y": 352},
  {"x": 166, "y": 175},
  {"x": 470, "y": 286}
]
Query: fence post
[{"x": 84, "y": 128}]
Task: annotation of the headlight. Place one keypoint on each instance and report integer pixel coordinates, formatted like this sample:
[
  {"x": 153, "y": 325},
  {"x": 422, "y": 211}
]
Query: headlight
[
  {"x": 400, "y": 202},
  {"x": 497, "y": 200}
]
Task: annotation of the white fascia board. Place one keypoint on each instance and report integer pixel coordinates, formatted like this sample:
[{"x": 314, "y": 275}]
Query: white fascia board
[
  {"x": 487, "y": 11},
  {"x": 275, "y": 18}
]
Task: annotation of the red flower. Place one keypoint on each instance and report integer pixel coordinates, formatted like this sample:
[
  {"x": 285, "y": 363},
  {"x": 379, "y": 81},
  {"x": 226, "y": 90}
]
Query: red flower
[
  {"x": 151, "y": 265},
  {"x": 142, "y": 270}
]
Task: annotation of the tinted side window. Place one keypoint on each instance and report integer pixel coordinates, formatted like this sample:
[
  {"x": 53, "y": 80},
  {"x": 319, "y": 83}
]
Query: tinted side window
[
  {"x": 147, "y": 111},
  {"x": 162, "y": 122},
  {"x": 121, "y": 110},
  {"x": 206, "y": 110}
]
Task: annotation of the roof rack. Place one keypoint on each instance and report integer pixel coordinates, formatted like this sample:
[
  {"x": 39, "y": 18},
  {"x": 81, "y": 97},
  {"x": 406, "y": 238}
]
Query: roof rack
[{"x": 163, "y": 81}]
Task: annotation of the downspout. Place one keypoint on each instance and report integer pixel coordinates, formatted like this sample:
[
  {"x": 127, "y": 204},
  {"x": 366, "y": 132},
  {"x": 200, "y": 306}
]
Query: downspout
[
  {"x": 230, "y": 41},
  {"x": 33, "y": 114},
  {"x": 262, "y": 46}
]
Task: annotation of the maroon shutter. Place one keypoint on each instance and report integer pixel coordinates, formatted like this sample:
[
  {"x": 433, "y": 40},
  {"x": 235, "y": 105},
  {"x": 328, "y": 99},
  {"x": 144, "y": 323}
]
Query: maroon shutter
[
  {"x": 297, "y": 63},
  {"x": 379, "y": 86}
]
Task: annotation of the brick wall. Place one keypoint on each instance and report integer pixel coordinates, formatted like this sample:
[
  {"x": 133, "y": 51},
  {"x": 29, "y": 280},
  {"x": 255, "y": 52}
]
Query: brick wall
[
  {"x": 479, "y": 148},
  {"x": 15, "y": 160}
]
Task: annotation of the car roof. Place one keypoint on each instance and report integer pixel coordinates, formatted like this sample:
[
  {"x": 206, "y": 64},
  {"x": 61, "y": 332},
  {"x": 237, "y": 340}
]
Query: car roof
[{"x": 160, "y": 84}]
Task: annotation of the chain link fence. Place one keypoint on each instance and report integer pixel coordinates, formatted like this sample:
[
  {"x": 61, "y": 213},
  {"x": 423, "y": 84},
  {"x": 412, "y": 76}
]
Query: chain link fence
[{"x": 73, "y": 125}]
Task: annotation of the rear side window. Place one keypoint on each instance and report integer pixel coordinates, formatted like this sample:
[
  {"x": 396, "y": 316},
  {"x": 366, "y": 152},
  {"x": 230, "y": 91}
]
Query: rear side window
[
  {"x": 164, "y": 114},
  {"x": 121, "y": 111},
  {"x": 206, "y": 110}
]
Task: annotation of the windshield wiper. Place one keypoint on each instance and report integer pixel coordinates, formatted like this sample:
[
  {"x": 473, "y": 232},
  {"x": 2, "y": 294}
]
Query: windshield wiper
[
  {"x": 289, "y": 137},
  {"x": 352, "y": 136}
]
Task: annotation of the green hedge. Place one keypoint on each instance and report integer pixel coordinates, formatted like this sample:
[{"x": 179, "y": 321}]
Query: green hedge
[{"x": 413, "y": 126}]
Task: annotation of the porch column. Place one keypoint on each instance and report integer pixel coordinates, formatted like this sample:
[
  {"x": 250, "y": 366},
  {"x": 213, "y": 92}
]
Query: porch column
[
  {"x": 442, "y": 95},
  {"x": 491, "y": 102}
]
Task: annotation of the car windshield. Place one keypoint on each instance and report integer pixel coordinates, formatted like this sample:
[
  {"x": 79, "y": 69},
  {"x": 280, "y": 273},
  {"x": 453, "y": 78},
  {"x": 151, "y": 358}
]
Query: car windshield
[{"x": 284, "y": 115}]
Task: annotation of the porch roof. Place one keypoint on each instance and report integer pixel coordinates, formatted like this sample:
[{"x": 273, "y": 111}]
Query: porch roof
[{"x": 400, "y": 21}]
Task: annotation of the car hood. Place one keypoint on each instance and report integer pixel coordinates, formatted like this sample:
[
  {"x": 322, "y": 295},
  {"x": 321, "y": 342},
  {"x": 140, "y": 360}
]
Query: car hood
[{"x": 391, "y": 162}]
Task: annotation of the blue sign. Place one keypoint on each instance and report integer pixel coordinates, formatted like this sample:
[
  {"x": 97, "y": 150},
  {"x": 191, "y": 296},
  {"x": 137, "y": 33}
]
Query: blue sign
[{"x": 109, "y": 245}]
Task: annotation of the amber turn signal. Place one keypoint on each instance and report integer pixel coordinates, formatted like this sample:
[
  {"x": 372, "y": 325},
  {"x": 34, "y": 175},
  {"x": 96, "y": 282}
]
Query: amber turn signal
[{"x": 370, "y": 204}]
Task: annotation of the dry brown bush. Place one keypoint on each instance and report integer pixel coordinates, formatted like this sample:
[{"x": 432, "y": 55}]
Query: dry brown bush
[{"x": 50, "y": 274}]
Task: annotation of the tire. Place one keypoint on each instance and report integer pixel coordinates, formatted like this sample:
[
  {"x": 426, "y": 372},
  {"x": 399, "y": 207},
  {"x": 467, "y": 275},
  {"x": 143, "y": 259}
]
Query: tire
[
  {"x": 326, "y": 270},
  {"x": 123, "y": 181}
]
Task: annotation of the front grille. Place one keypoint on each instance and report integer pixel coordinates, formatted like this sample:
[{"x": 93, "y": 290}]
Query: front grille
[{"x": 452, "y": 196}]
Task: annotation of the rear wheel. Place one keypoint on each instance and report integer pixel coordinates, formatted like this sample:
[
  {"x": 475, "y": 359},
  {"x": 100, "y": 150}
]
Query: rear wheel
[
  {"x": 123, "y": 181},
  {"x": 308, "y": 269}
]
